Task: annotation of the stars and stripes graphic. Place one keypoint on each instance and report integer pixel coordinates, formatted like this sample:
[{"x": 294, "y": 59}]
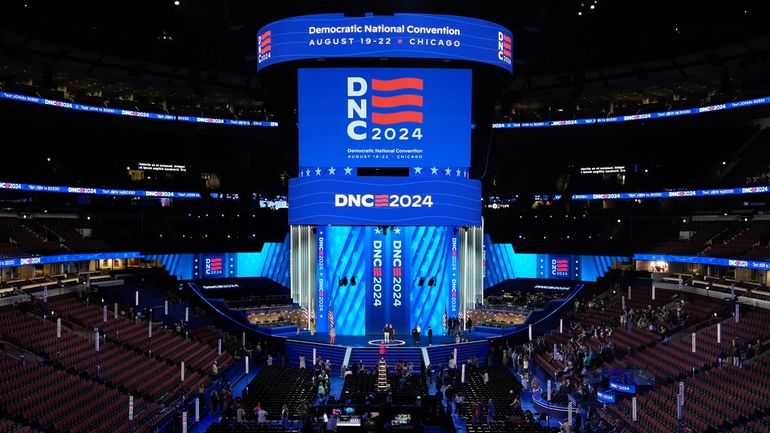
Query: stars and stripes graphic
[
  {"x": 331, "y": 318},
  {"x": 305, "y": 315},
  {"x": 380, "y": 200},
  {"x": 265, "y": 42}
]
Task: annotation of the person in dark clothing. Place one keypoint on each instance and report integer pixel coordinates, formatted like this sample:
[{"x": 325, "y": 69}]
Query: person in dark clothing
[{"x": 430, "y": 336}]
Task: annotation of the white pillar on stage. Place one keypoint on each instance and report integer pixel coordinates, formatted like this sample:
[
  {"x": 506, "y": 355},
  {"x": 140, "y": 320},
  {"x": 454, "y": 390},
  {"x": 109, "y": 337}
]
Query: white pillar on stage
[
  {"x": 653, "y": 292},
  {"x": 104, "y": 313},
  {"x": 198, "y": 409},
  {"x": 186, "y": 314},
  {"x": 184, "y": 422},
  {"x": 58, "y": 327},
  {"x": 462, "y": 374},
  {"x": 115, "y": 310},
  {"x": 719, "y": 333},
  {"x": 561, "y": 326},
  {"x": 181, "y": 371},
  {"x": 314, "y": 356},
  {"x": 247, "y": 365},
  {"x": 165, "y": 308},
  {"x": 633, "y": 409},
  {"x": 530, "y": 332},
  {"x": 136, "y": 298},
  {"x": 130, "y": 407},
  {"x": 549, "y": 390},
  {"x": 219, "y": 346}
]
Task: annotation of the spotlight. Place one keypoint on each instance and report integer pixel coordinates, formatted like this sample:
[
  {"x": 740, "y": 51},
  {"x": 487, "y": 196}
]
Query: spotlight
[{"x": 353, "y": 280}]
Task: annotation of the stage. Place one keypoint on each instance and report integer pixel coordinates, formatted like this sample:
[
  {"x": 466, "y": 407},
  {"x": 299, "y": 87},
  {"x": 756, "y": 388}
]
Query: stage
[{"x": 374, "y": 340}]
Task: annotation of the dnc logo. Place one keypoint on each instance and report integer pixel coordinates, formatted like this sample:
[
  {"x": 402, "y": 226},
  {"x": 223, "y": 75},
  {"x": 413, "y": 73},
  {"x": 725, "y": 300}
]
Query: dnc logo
[
  {"x": 393, "y": 102},
  {"x": 212, "y": 266},
  {"x": 265, "y": 44}
]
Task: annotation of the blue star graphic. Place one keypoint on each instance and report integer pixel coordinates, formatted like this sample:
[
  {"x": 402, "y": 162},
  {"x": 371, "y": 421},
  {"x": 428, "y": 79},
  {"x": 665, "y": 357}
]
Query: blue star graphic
[
  {"x": 348, "y": 170},
  {"x": 433, "y": 170},
  {"x": 317, "y": 171}
]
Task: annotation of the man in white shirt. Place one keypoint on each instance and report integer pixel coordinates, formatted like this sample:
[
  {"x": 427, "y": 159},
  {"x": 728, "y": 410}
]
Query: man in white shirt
[{"x": 261, "y": 416}]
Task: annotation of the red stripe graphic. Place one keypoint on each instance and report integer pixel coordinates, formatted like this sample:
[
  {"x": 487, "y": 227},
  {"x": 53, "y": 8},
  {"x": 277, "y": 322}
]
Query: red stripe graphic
[
  {"x": 396, "y": 272},
  {"x": 396, "y": 101},
  {"x": 266, "y": 41},
  {"x": 507, "y": 53},
  {"x": 396, "y": 84},
  {"x": 269, "y": 33},
  {"x": 506, "y": 38},
  {"x": 507, "y": 45},
  {"x": 397, "y": 117},
  {"x": 263, "y": 50},
  {"x": 377, "y": 272}
]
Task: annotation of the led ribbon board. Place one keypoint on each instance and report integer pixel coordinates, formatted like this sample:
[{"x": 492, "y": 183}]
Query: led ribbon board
[{"x": 412, "y": 36}]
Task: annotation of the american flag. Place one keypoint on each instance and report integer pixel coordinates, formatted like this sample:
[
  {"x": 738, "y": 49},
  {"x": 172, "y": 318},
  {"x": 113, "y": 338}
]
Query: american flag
[
  {"x": 331, "y": 318},
  {"x": 305, "y": 314},
  {"x": 443, "y": 318}
]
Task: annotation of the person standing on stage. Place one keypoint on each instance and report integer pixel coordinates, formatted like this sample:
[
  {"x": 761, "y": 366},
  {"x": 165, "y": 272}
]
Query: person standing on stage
[
  {"x": 392, "y": 332},
  {"x": 418, "y": 334},
  {"x": 332, "y": 335},
  {"x": 430, "y": 336},
  {"x": 386, "y": 332}
]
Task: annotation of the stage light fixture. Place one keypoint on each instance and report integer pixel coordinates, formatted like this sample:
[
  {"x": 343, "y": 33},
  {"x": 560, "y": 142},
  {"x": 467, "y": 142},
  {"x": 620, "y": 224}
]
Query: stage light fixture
[{"x": 353, "y": 280}]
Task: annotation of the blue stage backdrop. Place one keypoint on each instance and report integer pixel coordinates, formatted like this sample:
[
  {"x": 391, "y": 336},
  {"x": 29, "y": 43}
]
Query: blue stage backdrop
[
  {"x": 502, "y": 263},
  {"x": 272, "y": 262},
  {"x": 403, "y": 276}
]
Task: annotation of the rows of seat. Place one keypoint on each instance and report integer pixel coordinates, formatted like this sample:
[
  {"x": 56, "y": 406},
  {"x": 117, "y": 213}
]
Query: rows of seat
[
  {"x": 275, "y": 386},
  {"x": 113, "y": 363},
  {"x": 8, "y": 426},
  {"x": 168, "y": 345},
  {"x": 714, "y": 398},
  {"x": 358, "y": 387},
  {"x": 498, "y": 389},
  {"x": 58, "y": 400}
]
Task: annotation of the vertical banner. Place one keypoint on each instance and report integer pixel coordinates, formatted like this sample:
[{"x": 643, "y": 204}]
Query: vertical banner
[
  {"x": 462, "y": 374},
  {"x": 219, "y": 346},
  {"x": 96, "y": 339},
  {"x": 737, "y": 312},
  {"x": 549, "y": 390},
  {"x": 187, "y": 314},
  {"x": 115, "y": 310},
  {"x": 693, "y": 342},
  {"x": 58, "y": 327},
  {"x": 454, "y": 271},
  {"x": 633, "y": 409},
  {"x": 184, "y": 422},
  {"x": 398, "y": 281},
  {"x": 377, "y": 311},
  {"x": 45, "y": 294},
  {"x": 653, "y": 292},
  {"x": 104, "y": 313},
  {"x": 321, "y": 283},
  {"x": 165, "y": 307},
  {"x": 561, "y": 326},
  {"x": 623, "y": 302},
  {"x": 719, "y": 333},
  {"x": 181, "y": 371},
  {"x": 130, "y": 407},
  {"x": 136, "y": 298},
  {"x": 197, "y": 409},
  {"x": 247, "y": 365}
]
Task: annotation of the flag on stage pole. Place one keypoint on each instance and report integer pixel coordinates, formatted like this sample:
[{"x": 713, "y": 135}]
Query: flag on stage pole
[
  {"x": 331, "y": 318},
  {"x": 443, "y": 318},
  {"x": 305, "y": 315}
]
